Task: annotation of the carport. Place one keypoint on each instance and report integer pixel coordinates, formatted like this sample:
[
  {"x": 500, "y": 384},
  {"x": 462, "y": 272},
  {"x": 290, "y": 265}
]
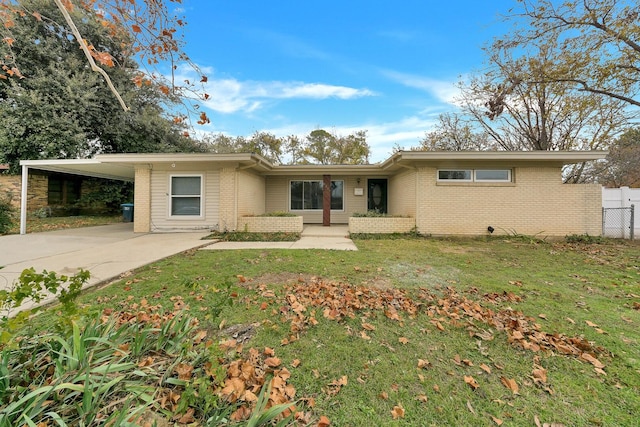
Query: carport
[{"x": 84, "y": 167}]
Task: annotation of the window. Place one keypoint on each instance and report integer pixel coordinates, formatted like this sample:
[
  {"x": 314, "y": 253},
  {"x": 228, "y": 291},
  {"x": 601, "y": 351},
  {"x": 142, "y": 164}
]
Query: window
[
  {"x": 307, "y": 195},
  {"x": 475, "y": 175},
  {"x": 186, "y": 195},
  {"x": 495, "y": 175},
  {"x": 454, "y": 175}
]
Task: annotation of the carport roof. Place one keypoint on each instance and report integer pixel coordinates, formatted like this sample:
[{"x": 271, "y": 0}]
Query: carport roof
[{"x": 84, "y": 167}]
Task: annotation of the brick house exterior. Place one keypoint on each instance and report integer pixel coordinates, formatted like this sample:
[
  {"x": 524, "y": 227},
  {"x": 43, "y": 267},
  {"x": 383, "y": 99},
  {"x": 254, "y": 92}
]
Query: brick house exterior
[{"x": 437, "y": 193}]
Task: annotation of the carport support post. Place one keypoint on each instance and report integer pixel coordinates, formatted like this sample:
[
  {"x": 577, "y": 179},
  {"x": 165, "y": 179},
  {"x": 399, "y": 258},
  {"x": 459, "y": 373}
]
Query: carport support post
[{"x": 23, "y": 199}]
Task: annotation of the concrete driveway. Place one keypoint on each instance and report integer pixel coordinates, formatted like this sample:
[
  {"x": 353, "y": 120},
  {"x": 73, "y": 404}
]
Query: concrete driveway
[{"x": 106, "y": 251}]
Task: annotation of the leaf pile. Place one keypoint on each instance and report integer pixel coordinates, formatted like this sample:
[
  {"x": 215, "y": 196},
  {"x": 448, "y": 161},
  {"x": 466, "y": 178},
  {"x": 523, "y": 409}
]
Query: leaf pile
[{"x": 338, "y": 301}]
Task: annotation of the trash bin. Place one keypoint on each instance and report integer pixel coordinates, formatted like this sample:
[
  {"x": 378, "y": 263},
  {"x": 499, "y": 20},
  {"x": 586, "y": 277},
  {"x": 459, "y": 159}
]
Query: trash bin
[{"x": 127, "y": 212}]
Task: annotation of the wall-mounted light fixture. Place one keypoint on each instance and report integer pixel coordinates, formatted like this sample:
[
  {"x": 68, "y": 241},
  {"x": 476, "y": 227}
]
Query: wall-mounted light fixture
[
  {"x": 358, "y": 181},
  {"x": 490, "y": 229}
]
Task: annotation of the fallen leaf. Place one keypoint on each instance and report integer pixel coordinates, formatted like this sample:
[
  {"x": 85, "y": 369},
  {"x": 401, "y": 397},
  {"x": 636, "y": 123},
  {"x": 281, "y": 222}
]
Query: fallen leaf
[
  {"x": 423, "y": 363},
  {"x": 384, "y": 395},
  {"x": 485, "y": 368},
  {"x": 422, "y": 398},
  {"x": 498, "y": 421},
  {"x": 295, "y": 363},
  {"x": 368, "y": 327},
  {"x": 272, "y": 362},
  {"x": 542, "y": 316},
  {"x": 324, "y": 422},
  {"x": 470, "y": 408},
  {"x": 397, "y": 412},
  {"x": 591, "y": 359},
  {"x": 589, "y": 323},
  {"x": 403, "y": 340},
  {"x": 471, "y": 381},
  {"x": 511, "y": 384},
  {"x": 539, "y": 375}
]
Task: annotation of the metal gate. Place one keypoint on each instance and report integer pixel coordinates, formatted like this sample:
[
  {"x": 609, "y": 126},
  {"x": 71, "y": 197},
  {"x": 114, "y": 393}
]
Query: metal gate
[{"x": 618, "y": 222}]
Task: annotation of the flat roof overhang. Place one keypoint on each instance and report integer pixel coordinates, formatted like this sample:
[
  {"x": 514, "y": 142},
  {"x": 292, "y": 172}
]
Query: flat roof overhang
[
  {"x": 411, "y": 159},
  {"x": 84, "y": 167}
]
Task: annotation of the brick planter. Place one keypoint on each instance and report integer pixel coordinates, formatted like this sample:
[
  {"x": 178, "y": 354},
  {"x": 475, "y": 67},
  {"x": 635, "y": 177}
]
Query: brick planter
[
  {"x": 382, "y": 225},
  {"x": 270, "y": 224}
]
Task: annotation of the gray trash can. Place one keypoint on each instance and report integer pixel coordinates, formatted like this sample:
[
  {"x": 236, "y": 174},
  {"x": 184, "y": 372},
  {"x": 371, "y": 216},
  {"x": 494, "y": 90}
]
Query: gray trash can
[{"x": 127, "y": 212}]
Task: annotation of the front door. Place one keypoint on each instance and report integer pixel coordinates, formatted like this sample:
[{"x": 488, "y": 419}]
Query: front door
[{"x": 377, "y": 195}]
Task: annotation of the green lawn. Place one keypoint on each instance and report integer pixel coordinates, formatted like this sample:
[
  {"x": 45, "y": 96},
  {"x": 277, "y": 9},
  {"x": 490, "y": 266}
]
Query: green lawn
[{"x": 421, "y": 332}]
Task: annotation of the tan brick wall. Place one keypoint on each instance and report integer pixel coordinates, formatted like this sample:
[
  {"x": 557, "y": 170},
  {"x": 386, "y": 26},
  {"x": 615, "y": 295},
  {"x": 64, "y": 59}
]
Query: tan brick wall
[
  {"x": 402, "y": 194},
  {"x": 251, "y": 194},
  {"x": 381, "y": 225},
  {"x": 227, "y": 212},
  {"x": 38, "y": 187},
  {"x": 537, "y": 203},
  {"x": 265, "y": 224},
  {"x": 142, "y": 200}
]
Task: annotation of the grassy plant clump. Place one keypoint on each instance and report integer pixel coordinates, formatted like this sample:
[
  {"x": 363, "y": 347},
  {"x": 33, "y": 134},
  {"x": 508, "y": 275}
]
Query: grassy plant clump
[
  {"x": 586, "y": 239},
  {"x": 7, "y": 215},
  {"x": 246, "y": 236},
  {"x": 375, "y": 214},
  {"x": 278, "y": 214}
]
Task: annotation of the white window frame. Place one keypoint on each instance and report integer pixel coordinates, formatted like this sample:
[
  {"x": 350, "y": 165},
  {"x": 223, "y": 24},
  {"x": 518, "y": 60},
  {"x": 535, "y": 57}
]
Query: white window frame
[
  {"x": 172, "y": 196},
  {"x": 321, "y": 182}
]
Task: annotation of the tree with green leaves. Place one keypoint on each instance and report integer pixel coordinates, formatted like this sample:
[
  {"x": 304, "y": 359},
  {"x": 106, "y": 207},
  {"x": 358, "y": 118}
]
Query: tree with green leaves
[
  {"x": 319, "y": 147},
  {"x": 59, "y": 108},
  {"x": 322, "y": 147}
]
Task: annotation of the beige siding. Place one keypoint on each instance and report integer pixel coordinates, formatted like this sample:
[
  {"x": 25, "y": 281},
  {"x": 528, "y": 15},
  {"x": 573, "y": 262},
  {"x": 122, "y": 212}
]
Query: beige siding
[
  {"x": 402, "y": 194},
  {"x": 160, "y": 220},
  {"x": 251, "y": 194},
  {"x": 277, "y": 198},
  {"x": 537, "y": 203}
]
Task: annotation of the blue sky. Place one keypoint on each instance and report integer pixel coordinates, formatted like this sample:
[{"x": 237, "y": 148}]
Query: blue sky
[{"x": 289, "y": 67}]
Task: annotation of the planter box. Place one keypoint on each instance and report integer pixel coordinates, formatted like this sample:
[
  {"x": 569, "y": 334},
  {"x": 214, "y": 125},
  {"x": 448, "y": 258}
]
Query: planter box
[
  {"x": 383, "y": 225},
  {"x": 270, "y": 224}
]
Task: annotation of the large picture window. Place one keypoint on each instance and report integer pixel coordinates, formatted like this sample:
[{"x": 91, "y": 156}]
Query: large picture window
[
  {"x": 186, "y": 195},
  {"x": 307, "y": 195}
]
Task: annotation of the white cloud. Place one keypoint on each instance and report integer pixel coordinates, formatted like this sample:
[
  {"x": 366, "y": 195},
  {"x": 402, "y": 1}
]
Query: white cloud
[
  {"x": 443, "y": 90},
  {"x": 229, "y": 95}
]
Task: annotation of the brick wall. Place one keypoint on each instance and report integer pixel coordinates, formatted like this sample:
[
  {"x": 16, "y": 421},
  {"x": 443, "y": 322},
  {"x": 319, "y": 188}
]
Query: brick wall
[
  {"x": 384, "y": 225},
  {"x": 251, "y": 194},
  {"x": 10, "y": 186},
  {"x": 227, "y": 212},
  {"x": 270, "y": 224},
  {"x": 536, "y": 203},
  {"x": 142, "y": 200}
]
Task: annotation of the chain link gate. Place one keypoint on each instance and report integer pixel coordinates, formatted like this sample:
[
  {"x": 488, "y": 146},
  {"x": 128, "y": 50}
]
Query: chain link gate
[{"x": 618, "y": 222}]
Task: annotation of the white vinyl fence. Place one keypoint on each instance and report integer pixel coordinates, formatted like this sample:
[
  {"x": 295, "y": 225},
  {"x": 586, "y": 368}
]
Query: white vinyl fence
[{"x": 616, "y": 212}]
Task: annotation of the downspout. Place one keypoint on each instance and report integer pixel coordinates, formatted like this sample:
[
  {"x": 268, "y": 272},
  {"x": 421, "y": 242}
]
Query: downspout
[{"x": 23, "y": 199}]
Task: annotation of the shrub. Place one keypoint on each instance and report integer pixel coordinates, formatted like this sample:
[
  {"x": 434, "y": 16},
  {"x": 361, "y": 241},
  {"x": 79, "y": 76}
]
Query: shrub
[
  {"x": 278, "y": 214},
  {"x": 375, "y": 214},
  {"x": 7, "y": 214}
]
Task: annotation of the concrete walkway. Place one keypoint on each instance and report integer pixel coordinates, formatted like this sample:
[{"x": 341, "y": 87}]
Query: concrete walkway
[
  {"x": 335, "y": 237},
  {"x": 106, "y": 251}
]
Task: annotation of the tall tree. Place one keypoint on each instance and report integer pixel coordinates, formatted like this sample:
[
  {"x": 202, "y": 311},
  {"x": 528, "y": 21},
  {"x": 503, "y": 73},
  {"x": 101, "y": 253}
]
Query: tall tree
[
  {"x": 61, "y": 109},
  {"x": 537, "y": 114},
  {"x": 148, "y": 30},
  {"x": 622, "y": 165},
  {"x": 327, "y": 148},
  {"x": 598, "y": 45},
  {"x": 454, "y": 132}
]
